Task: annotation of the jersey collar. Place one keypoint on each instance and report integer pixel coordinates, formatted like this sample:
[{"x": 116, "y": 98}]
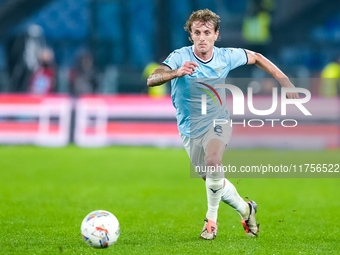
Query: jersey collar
[{"x": 204, "y": 62}]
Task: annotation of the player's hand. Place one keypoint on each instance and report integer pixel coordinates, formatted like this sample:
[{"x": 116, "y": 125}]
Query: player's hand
[
  {"x": 290, "y": 95},
  {"x": 187, "y": 68}
]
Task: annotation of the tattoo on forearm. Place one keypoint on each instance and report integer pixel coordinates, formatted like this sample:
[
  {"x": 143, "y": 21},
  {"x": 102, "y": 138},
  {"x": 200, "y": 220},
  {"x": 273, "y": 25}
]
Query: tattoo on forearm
[
  {"x": 160, "y": 76},
  {"x": 156, "y": 79}
]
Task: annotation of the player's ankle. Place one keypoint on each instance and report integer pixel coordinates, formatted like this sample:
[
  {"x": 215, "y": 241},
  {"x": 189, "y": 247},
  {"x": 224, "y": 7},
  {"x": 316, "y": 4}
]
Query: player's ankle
[{"x": 245, "y": 212}]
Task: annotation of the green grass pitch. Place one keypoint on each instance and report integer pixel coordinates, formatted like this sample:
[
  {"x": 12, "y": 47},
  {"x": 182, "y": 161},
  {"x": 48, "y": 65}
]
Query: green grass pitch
[{"x": 45, "y": 194}]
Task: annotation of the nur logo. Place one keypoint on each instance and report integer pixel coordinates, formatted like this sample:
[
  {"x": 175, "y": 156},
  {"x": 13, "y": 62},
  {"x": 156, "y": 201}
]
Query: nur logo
[
  {"x": 204, "y": 97},
  {"x": 238, "y": 100}
]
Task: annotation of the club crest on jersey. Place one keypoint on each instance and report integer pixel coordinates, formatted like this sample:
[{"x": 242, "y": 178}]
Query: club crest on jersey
[{"x": 219, "y": 69}]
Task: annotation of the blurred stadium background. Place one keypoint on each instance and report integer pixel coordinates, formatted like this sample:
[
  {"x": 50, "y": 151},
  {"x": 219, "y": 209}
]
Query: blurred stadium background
[
  {"x": 99, "y": 54},
  {"x": 121, "y": 39}
]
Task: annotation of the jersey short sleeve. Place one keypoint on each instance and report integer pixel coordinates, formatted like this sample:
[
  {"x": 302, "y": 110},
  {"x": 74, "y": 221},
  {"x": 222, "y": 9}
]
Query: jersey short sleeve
[
  {"x": 238, "y": 57},
  {"x": 173, "y": 60}
]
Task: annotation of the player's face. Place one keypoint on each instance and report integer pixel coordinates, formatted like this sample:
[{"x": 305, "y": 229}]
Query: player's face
[{"x": 204, "y": 37}]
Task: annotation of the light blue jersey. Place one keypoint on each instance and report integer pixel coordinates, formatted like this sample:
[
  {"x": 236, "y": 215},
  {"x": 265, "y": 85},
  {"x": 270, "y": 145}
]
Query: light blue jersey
[{"x": 186, "y": 91}]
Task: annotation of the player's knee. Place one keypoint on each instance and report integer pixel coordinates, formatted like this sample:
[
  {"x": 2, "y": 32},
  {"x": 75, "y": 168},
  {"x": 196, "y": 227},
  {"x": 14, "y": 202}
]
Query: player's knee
[
  {"x": 214, "y": 163},
  {"x": 213, "y": 160}
]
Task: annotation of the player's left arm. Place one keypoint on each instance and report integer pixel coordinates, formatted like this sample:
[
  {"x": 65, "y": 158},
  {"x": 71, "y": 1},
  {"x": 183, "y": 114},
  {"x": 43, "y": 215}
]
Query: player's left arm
[{"x": 265, "y": 64}]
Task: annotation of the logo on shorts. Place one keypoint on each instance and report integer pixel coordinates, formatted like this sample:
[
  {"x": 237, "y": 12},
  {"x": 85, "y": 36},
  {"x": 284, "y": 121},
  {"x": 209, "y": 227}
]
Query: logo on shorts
[{"x": 218, "y": 130}]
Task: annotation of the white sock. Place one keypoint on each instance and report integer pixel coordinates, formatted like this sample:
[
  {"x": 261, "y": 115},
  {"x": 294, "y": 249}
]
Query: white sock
[
  {"x": 214, "y": 187},
  {"x": 232, "y": 198}
]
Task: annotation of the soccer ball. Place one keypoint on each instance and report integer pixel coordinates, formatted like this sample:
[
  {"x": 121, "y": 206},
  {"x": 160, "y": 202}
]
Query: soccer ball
[{"x": 100, "y": 229}]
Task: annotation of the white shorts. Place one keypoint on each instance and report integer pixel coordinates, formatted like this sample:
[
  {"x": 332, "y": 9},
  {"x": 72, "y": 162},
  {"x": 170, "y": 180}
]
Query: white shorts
[{"x": 196, "y": 147}]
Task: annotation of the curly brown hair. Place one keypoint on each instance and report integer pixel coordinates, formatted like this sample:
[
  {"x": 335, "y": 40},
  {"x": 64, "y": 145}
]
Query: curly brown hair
[{"x": 204, "y": 16}]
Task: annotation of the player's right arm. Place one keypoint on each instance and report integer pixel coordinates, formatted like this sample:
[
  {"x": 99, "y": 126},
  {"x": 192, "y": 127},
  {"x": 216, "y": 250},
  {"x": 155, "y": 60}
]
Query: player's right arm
[{"x": 163, "y": 73}]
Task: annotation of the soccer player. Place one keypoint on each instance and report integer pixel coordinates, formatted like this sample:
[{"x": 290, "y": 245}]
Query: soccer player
[{"x": 205, "y": 144}]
